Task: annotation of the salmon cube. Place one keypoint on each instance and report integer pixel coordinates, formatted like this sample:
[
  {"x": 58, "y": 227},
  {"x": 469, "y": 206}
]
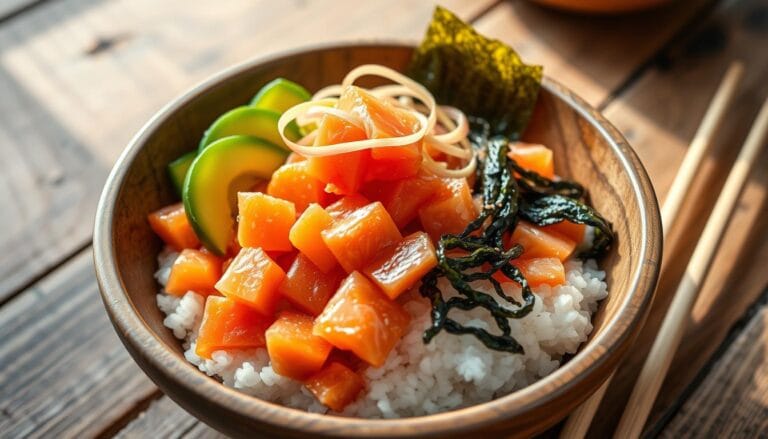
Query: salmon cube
[
  {"x": 228, "y": 325},
  {"x": 403, "y": 265},
  {"x": 342, "y": 173},
  {"x": 252, "y": 278},
  {"x": 194, "y": 270},
  {"x": 568, "y": 229},
  {"x": 533, "y": 157},
  {"x": 451, "y": 212},
  {"x": 346, "y": 205},
  {"x": 293, "y": 350},
  {"x": 358, "y": 238},
  {"x": 403, "y": 198},
  {"x": 172, "y": 226},
  {"x": 361, "y": 319},
  {"x": 305, "y": 236},
  {"x": 538, "y": 243},
  {"x": 394, "y": 163},
  {"x": 537, "y": 271},
  {"x": 264, "y": 221},
  {"x": 293, "y": 183},
  {"x": 307, "y": 287},
  {"x": 335, "y": 386}
]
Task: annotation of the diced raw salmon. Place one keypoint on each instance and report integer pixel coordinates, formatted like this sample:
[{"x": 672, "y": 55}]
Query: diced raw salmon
[
  {"x": 533, "y": 157},
  {"x": 264, "y": 221},
  {"x": 403, "y": 265},
  {"x": 360, "y": 318},
  {"x": 403, "y": 198},
  {"x": 566, "y": 228},
  {"x": 292, "y": 182},
  {"x": 194, "y": 270},
  {"x": 346, "y": 205},
  {"x": 171, "y": 225},
  {"x": 309, "y": 288},
  {"x": 252, "y": 279},
  {"x": 451, "y": 212},
  {"x": 342, "y": 173},
  {"x": 293, "y": 350},
  {"x": 538, "y": 243},
  {"x": 355, "y": 240},
  {"x": 228, "y": 325},
  {"x": 538, "y": 271},
  {"x": 335, "y": 386},
  {"x": 305, "y": 236}
]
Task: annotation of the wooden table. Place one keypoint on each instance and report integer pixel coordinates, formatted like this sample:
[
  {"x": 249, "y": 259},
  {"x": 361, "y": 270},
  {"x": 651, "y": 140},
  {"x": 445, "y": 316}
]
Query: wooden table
[{"x": 79, "y": 77}]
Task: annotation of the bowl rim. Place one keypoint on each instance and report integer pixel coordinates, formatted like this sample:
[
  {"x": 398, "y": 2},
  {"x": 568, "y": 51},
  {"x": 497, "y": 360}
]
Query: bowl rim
[{"x": 140, "y": 340}]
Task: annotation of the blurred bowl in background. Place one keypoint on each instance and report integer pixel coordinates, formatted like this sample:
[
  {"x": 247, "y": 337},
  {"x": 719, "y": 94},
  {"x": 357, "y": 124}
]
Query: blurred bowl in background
[{"x": 601, "y": 6}]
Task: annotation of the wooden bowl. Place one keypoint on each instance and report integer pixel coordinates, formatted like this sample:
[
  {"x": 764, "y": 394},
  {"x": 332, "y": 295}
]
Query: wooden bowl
[
  {"x": 602, "y": 6},
  {"x": 587, "y": 147}
]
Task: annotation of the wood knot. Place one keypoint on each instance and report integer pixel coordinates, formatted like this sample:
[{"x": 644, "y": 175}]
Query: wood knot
[{"x": 106, "y": 43}]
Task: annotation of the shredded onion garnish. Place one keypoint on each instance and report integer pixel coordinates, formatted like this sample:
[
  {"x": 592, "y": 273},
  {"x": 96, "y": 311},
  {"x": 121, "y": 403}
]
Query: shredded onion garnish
[{"x": 405, "y": 94}]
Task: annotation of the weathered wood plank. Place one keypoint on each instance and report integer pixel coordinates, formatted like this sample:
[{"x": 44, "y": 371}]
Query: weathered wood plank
[
  {"x": 9, "y": 8},
  {"x": 659, "y": 115},
  {"x": 63, "y": 372},
  {"x": 79, "y": 77},
  {"x": 165, "y": 419},
  {"x": 593, "y": 55},
  {"x": 732, "y": 401}
]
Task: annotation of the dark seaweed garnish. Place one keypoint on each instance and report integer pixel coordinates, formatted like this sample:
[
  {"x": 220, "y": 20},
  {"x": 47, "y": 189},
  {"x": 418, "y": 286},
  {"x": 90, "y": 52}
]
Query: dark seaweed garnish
[
  {"x": 481, "y": 257},
  {"x": 488, "y": 81},
  {"x": 477, "y": 254},
  {"x": 552, "y": 209}
]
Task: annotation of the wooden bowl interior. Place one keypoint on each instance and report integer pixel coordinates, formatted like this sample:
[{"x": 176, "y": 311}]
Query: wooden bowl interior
[{"x": 582, "y": 153}]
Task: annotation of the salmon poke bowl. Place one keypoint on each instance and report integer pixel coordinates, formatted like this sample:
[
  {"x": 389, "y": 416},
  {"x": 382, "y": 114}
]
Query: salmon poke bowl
[{"x": 379, "y": 241}]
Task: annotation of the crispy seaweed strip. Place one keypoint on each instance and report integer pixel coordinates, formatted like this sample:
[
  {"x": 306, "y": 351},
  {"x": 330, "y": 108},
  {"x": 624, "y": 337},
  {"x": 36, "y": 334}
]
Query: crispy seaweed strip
[
  {"x": 483, "y": 77},
  {"x": 531, "y": 181},
  {"x": 551, "y": 209},
  {"x": 486, "y": 257},
  {"x": 500, "y": 195}
]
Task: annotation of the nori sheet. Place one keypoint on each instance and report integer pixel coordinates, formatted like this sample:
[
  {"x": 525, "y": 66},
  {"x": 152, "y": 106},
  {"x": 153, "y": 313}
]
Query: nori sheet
[{"x": 480, "y": 76}]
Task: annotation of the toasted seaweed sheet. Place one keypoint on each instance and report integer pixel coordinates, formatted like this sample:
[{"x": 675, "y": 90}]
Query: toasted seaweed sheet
[{"x": 482, "y": 77}]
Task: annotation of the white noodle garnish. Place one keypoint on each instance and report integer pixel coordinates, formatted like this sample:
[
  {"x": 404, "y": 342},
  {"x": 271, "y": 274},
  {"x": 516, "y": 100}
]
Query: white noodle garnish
[{"x": 405, "y": 94}]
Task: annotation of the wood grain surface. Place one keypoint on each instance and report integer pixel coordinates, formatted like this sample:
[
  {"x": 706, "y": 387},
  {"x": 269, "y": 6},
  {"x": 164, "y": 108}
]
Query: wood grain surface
[
  {"x": 64, "y": 372},
  {"x": 742, "y": 411},
  {"x": 78, "y": 77},
  {"x": 165, "y": 419},
  {"x": 594, "y": 55},
  {"x": 659, "y": 115}
]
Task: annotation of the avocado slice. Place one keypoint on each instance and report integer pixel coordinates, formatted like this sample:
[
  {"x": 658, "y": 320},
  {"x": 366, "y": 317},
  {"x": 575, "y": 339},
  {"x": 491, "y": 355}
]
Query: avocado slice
[
  {"x": 256, "y": 122},
  {"x": 177, "y": 170},
  {"x": 280, "y": 95},
  {"x": 219, "y": 172}
]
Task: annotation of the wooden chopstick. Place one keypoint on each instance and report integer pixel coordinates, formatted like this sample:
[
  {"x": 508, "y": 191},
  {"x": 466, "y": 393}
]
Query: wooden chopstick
[
  {"x": 671, "y": 332},
  {"x": 579, "y": 421}
]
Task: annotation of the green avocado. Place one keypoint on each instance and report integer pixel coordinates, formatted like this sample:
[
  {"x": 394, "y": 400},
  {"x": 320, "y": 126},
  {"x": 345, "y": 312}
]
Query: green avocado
[
  {"x": 224, "y": 168},
  {"x": 280, "y": 95},
  {"x": 256, "y": 122},
  {"x": 177, "y": 170}
]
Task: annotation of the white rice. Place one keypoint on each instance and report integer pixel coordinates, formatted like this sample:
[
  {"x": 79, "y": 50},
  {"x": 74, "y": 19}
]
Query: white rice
[{"x": 417, "y": 379}]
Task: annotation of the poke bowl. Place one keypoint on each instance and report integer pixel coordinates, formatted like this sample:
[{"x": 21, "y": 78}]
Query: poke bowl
[{"x": 589, "y": 150}]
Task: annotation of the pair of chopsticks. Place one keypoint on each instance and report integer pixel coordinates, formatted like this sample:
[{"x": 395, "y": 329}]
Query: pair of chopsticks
[{"x": 670, "y": 334}]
